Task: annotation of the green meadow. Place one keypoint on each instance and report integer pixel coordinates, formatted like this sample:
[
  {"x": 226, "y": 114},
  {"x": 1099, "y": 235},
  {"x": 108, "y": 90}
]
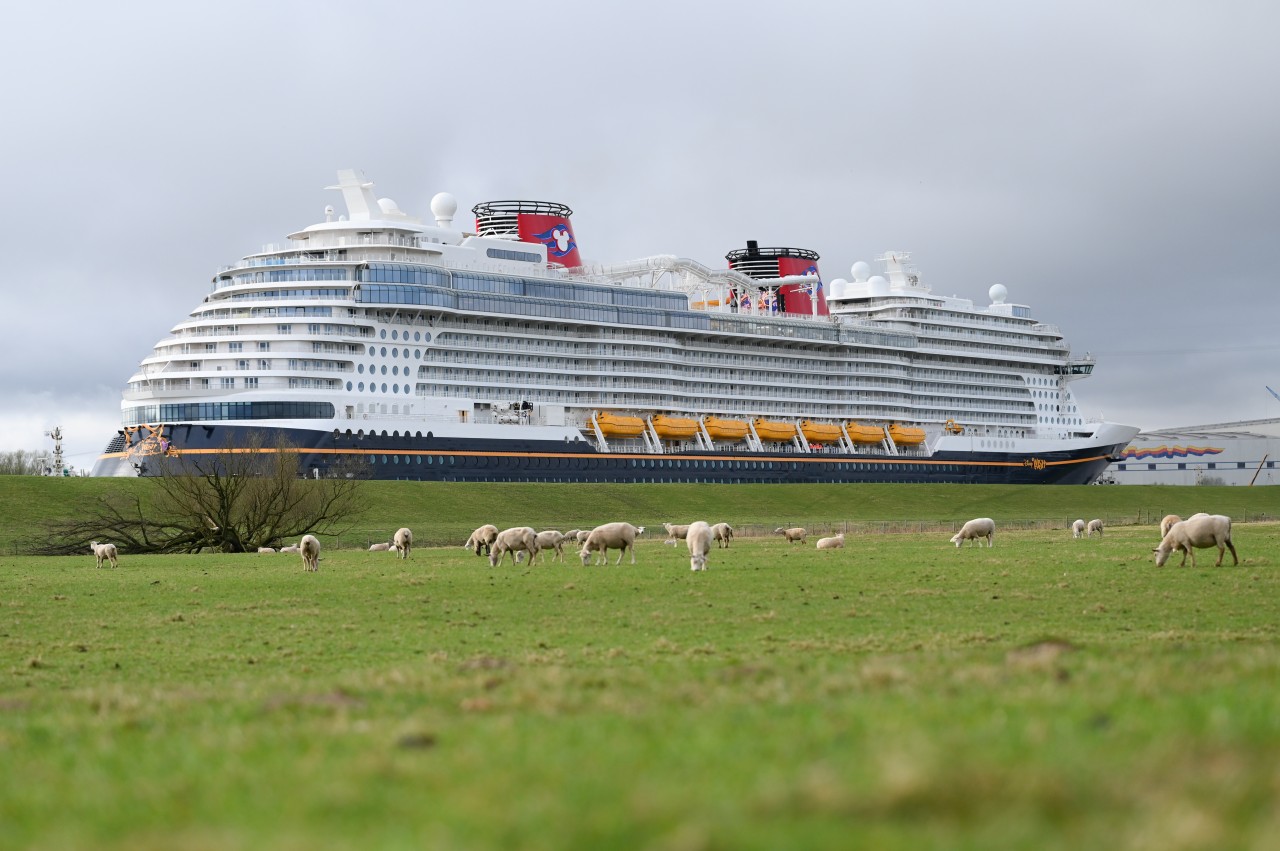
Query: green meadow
[{"x": 901, "y": 693}]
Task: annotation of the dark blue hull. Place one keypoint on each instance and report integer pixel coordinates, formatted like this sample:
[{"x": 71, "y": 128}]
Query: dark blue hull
[{"x": 430, "y": 458}]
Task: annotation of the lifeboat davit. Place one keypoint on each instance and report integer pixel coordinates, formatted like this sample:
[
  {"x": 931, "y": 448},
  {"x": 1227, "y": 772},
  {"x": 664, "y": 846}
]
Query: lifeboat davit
[
  {"x": 616, "y": 425},
  {"x": 864, "y": 434},
  {"x": 719, "y": 429},
  {"x": 820, "y": 432},
  {"x": 906, "y": 436},
  {"x": 674, "y": 428},
  {"x": 774, "y": 431}
]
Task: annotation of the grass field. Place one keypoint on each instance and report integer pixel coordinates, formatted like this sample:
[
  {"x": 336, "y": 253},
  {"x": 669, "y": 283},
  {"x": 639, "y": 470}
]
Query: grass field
[{"x": 1047, "y": 693}]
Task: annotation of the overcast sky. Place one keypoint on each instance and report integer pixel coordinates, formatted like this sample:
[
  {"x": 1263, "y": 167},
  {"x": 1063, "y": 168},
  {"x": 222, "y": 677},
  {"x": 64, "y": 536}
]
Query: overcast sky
[{"x": 1115, "y": 165}]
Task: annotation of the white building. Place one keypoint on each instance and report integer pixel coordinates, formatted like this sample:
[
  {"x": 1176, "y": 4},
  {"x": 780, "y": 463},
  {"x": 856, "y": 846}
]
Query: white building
[{"x": 1240, "y": 453}]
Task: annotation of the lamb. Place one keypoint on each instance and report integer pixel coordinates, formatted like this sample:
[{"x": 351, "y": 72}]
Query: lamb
[
  {"x": 1077, "y": 529},
  {"x": 793, "y": 535},
  {"x": 379, "y": 548},
  {"x": 513, "y": 540},
  {"x": 582, "y": 535},
  {"x": 482, "y": 539},
  {"x": 610, "y": 536},
  {"x": 551, "y": 540},
  {"x": 674, "y": 532},
  {"x": 1200, "y": 531},
  {"x": 104, "y": 552},
  {"x": 1167, "y": 522},
  {"x": 292, "y": 548},
  {"x": 723, "y": 534},
  {"x": 266, "y": 549},
  {"x": 403, "y": 541},
  {"x": 1095, "y": 526},
  {"x": 698, "y": 539},
  {"x": 975, "y": 530},
  {"x": 835, "y": 542},
  {"x": 310, "y": 549}
]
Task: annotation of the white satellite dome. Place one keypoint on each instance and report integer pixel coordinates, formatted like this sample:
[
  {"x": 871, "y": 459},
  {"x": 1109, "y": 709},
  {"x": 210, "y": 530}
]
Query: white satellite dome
[
  {"x": 443, "y": 207},
  {"x": 877, "y": 285},
  {"x": 998, "y": 293},
  {"x": 836, "y": 288},
  {"x": 386, "y": 205},
  {"x": 860, "y": 271}
]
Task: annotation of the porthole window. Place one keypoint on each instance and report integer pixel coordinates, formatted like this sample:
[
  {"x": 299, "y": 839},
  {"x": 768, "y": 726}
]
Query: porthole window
[
  {"x": 360, "y": 369},
  {"x": 395, "y": 335},
  {"x": 348, "y": 386},
  {"x": 417, "y": 353},
  {"x": 384, "y": 369},
  {"x": 384, "y": 386},
  {"x": 383, "y": 333},
  {"x": 384, "y": 351},
  {"x": 395, "y": 353},
  {"x": 417, "y": 335},
  {"x": 361, "y": 386}
]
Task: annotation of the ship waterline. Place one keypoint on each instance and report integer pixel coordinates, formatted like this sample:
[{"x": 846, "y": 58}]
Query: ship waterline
[{"x": 421, "y": 351}]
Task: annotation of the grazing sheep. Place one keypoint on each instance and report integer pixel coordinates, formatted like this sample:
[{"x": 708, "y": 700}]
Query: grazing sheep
[
  {"x": 793, "y": 535},
  {"x": 975, "y": 530},
  {"x": 310, "y": 549},
  {"x": 266, "y": 549},
  {"x": 104, "y": 552},
  {"x": 379, "y": 548},
  {"x": 674, "y": 532},
  {"x": 403, "y": 542},
  {"x": 1199, "y": 531},
  {"x": 292, "y": 548},
  {"x": 551, "y": 540},
  {"x": 1077, "y": 529},
  {"x": 835, "y": 542},
  {"x": 1095, "y": 526},
  {"x": 610, "y": 536},
  {"x": 482, "y": 539},
  {"x": 698, "y": 539},
  {"x": 514, "y": 540},
  {"x": 1167, "y": 522},
  {"x": 723, "y": 534},
  {"x": 582, "y": 535}
]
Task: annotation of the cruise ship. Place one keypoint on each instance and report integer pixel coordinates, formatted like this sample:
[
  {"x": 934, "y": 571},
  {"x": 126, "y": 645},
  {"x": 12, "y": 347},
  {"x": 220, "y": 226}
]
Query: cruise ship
[{"x": 400, "y": 348}]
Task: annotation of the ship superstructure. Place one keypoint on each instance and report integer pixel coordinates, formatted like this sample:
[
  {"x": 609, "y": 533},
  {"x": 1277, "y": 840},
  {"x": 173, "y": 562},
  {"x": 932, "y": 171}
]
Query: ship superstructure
[{"x": 430, "y": 352}]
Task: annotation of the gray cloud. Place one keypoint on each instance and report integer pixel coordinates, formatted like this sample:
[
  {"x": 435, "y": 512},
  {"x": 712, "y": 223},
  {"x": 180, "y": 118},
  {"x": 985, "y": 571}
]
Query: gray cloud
[{"x": 1113, "y": 166}]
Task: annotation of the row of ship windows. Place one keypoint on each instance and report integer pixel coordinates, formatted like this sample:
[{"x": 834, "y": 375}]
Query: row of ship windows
[
  {"x": 179, "y": 412},
  {"x": 682, "y": 465},
  {"x": 1182, "y": 465}
]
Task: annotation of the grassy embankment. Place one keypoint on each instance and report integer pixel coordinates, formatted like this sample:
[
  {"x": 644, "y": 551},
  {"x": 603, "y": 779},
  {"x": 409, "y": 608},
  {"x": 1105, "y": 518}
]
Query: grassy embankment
[{"x": 901, "y": 693}]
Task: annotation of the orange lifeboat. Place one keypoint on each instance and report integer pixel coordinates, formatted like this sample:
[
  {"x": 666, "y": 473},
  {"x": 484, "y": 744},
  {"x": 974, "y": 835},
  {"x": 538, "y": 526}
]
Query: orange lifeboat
[
  {"x": 719, "y": 429},
  {"x": 616, "y": 425},
  {"x": 774, "y": 431},
  {"x": 820, "y": 432},
  {"x": 906, "y": 436},
  {"x": 674, "y": 428},
  {"x": 864, "y": 434}
]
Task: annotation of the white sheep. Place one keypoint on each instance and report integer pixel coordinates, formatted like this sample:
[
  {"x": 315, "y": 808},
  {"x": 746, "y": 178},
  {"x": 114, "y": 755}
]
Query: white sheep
[
  {"x": 676, "y": 532},
  {"x": 610, "y": 536},
  {"x": 1095, "y": 526},
  {"x": 482, "y": 539},
  {"x": 310, "y": 549},
  {"x": 292, "y": 548},
  {"x": 1077, "y": 529},
  {"x": 551, "y": 540},
  {"x": 582, "y": 535},
  {"x": 1199, "y": 531},
  {"x": 698, "y": 539},
  {"x": 835, "y": 542},
  {"x": 379, "y": 548},
  {"x": 266, "y": 549},
  {"x": 722, "y": 533},
  {"x": 104, "y": 552},
  {"x": 1167, "y": 523},
  {"x": 793, "y": 535},
  {"x": 403, "y": 542},
  {"x": 975, "y": 530},
  {"x": 514, "y": 540}
]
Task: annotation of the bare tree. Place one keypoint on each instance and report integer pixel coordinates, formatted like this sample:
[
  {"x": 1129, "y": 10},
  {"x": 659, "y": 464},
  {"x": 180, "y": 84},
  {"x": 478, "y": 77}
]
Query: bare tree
[
  {"x": 21, "y": 463},
  {"x": 236, "y": 500}
]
